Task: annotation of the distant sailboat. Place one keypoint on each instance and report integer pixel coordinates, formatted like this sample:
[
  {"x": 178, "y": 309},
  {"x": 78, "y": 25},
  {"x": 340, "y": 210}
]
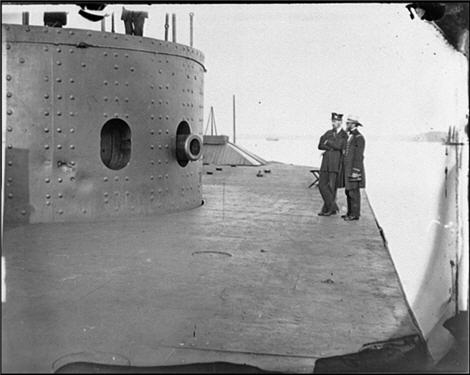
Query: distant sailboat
[{"x": 272, "y": 139}]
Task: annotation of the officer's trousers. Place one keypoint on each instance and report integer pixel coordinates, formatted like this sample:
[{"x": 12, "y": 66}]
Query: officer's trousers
[
  {"x": 134, "y": 22},
  {"x": 353, "y": 197},
  {"x": 327, "y": 187}
]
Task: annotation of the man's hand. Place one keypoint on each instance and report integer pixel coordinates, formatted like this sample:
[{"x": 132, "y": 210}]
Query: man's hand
[{"x": 355, "y": 175}]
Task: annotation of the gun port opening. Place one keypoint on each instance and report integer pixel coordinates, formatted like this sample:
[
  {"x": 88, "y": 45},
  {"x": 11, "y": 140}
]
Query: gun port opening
[{"x": 115, "y": 144}]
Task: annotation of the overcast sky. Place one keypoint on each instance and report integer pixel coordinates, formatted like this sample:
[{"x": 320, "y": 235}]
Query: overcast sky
[{"x": 291, "y": 65}]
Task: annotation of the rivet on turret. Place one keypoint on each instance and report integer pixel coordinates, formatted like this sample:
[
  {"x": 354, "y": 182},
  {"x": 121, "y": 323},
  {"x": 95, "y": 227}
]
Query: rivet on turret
[
  {"x": 126, "y": 178},
  {"x": 10, "y": 147},
  {"x": 72, "y": 80},
  {"x": 160, "y": 117},
  {"x": 10, "y": 195},
  {"x": 152, "y": 117},
  {"x": 72, "y": 162},
  {"x": 116, "y": 115},
  {"x": 21, "y": 60},
  {"x": 59, "y": 113},
  {"x": 126, "y": 99},
  {"x": 132, "y": 68},
  {"x": 71, "y": 97},
  {"x": 60, "y": 212},
  {"x": 152, "y": 132},
  {"x": 72, "y": 147},
  {"x": 116, "y": 99},
  {"x": 88, "y": 33},
  {"x": 46, "y": 130},
  {"x": 152, "y": 147},
  {"x": 71, "y": 114},
  {"x": 59, "y": 147},
  {"x": 59, "y": 130},
  {"x": 9, "y": 94},
  {"x": 105, "y": 98},
  {"x": 152, "y": 162},
  {"x": 59, "y": 63},
  {"x": 151, "y": 178},
  {"x": 116, "y": 178},
  {"x": 116, "y": 67},
  {"x": 59, "y": 96},
  {"x": 60, "y": 195},
  {"x": 105, "y": 193},
  {"x": 10, "y": 163},
  {"x": 105, "y": 114},
  {"x": 116, "y": 83},
  {"x": 72, "y": 130},
  {"x": 9, "y": 112},
  {"x": 84, "y": 211},
  {"x": 59, "y": 179},
  {"x": 46, "y": 49},
  {"x": 71, "y": 33},
  {"x": 46, "y": 113},
  {"x": 8, "y": 77},
  {"x": 105, "y": 53},
  {"x": 105, "y": 201},
  {"x": 47, "y": 180},
  {"x": 58, "y": 80},
  {"x": 46, "y": 147},
  {"x": 83, "y": 65},
  {"x": 48, "y": 196}
]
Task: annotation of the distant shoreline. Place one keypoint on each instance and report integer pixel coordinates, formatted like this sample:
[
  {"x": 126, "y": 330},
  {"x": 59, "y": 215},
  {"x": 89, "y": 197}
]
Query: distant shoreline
[{"x": 433, "y": 136}]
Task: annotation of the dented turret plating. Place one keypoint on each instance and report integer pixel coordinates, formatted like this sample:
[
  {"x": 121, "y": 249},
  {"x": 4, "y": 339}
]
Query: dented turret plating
[{"x": 100, "y": 125}]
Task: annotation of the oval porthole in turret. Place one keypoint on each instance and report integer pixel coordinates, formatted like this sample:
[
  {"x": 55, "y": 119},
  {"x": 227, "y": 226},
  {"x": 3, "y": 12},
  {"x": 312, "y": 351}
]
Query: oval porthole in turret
[
  {"x": 115, "y": 144},
  {"x": 188, "y": 146}
]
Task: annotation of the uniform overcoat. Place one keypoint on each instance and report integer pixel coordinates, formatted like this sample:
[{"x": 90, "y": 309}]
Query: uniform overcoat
[
  {"x": 354, "y": 160},
  {"x": 333, "y": 144}
]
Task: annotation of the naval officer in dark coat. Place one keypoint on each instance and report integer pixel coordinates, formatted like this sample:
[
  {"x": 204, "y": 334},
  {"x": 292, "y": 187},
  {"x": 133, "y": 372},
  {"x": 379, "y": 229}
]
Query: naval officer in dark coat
[
  {"x": 354, "y": 173},
  {"x": 333, "y": 142}
]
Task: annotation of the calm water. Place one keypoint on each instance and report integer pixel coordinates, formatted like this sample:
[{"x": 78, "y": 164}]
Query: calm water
[{"x": 405, "y": 187}]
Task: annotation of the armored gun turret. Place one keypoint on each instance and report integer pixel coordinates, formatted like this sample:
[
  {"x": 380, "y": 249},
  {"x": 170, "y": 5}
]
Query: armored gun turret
[{"x": 100, "y": 125}]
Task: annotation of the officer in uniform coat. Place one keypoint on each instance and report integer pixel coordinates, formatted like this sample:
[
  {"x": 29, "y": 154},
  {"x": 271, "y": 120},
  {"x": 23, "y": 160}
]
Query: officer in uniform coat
[
  {"x": 333, "y": 142},
  {"x": 354, "y": 174}
]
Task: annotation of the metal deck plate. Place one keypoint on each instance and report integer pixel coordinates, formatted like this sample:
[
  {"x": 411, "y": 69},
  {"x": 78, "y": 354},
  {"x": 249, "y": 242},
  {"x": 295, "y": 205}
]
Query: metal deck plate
[{"x": 253, "y": 276}]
